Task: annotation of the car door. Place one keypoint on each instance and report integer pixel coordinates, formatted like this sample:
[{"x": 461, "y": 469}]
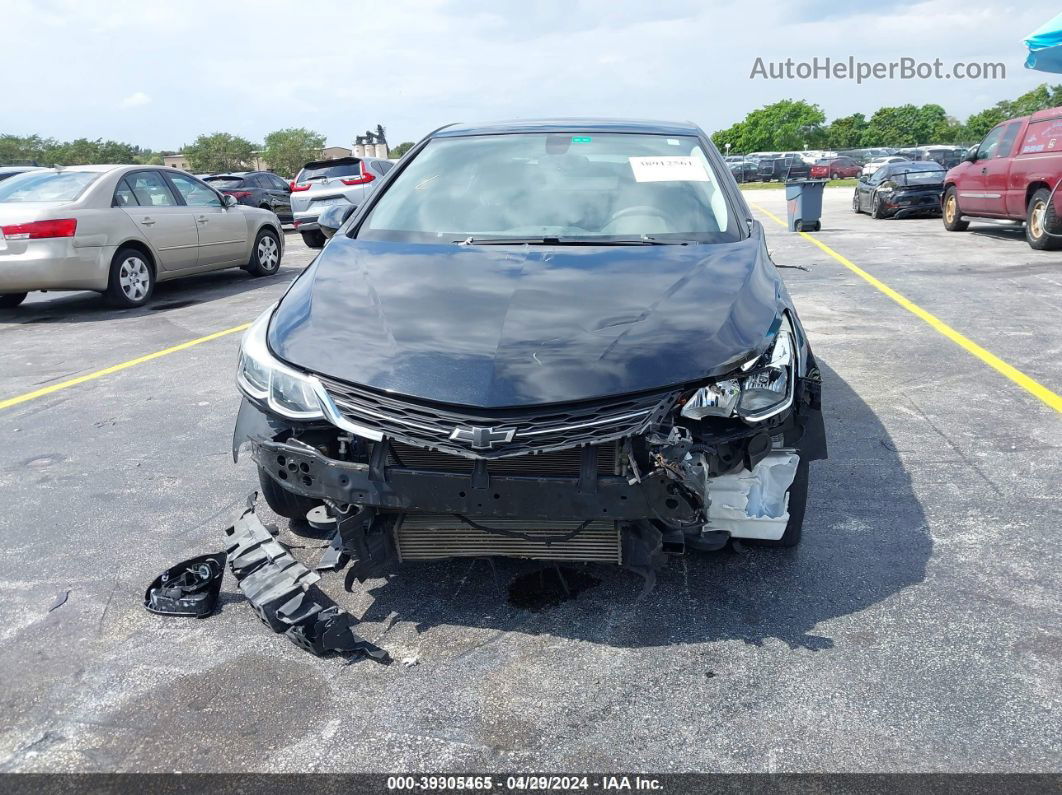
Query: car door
[
  {"x": 972, "y": 190},
  {"x": 166, "y": 224},
  {"x": 222, "y": 230},
  {"x": 996, "y": 169},
  {"x": 281, "y": 194}
]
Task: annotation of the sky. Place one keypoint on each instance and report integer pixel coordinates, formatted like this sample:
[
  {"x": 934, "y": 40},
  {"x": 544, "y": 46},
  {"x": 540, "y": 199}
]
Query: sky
[{"x": 158, "y": 74}]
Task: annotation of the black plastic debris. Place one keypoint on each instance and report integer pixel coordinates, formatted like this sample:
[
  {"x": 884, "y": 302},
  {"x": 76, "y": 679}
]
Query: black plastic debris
[
  {"x": 281, "y": 591},
  {"x": 190, "y": 588}
]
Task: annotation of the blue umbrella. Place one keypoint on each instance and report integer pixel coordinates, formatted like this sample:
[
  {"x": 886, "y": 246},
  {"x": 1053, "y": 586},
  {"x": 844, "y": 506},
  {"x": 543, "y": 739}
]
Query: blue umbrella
[{"x": 1045, "y": 47}]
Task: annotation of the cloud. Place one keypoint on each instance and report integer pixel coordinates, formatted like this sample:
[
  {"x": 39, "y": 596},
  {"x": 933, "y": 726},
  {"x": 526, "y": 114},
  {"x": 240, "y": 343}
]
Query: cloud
[
  {"x": 469, "y": 60},
  {"x": 135, "y": 100}
]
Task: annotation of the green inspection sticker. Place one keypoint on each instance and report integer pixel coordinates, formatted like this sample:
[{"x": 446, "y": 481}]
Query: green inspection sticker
[{"x": 581, "y": 139}]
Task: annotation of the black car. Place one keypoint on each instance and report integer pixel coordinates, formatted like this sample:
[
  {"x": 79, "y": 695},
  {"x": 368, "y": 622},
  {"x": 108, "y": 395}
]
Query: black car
[
  {"x": 900, "y": 190},
  {"x": 256, "y": 189},
  {"x": 783, "y": 169},
  {"x": 559, "y": 340}
]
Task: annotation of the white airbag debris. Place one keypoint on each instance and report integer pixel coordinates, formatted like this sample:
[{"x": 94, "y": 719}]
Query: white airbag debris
[{"x": 754, "y": 504}]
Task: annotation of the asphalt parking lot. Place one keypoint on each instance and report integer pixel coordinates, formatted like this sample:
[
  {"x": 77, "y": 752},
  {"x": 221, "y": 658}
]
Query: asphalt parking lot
[{"x": 916, "y": 628}]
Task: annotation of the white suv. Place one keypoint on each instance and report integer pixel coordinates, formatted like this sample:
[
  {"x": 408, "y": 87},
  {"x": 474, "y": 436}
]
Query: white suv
[{"x": 323, "y": 183}]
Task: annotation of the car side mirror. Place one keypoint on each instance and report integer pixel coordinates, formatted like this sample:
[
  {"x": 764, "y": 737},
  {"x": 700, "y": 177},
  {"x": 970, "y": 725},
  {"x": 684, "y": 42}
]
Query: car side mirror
[
  {"x": 971, "y": 155},
  {"x": 229, "y": 201},
  {"x": 334, "y": 217}
]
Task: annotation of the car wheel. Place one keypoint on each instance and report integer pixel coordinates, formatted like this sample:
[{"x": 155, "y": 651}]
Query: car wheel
[
  {"x": 798, "y": 500},
  {"x": 876, "y": 210},
  {"x": 132, "y": 279},
  {"x": 11, "y": 300},
  {"x": 952, "y": 215},
  {"x": 834, "y": 175},
  {"x": 314, "y": 238},
  {"x": 1040, "y": 221},
  {"x": 265, "y": 257},
  {"x": 855, "y": 203},
  {"x": 281, "y": 501}
]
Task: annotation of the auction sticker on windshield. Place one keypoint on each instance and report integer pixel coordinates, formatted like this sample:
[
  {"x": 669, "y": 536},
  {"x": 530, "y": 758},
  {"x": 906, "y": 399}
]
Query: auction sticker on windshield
[{"x": 668, "y": 169}]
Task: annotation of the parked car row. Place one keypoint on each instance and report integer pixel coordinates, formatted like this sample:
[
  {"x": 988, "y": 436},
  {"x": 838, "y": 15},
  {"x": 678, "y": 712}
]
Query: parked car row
[
  {"x": 1013, "y": 174},
  {"x": 120, "y": 230}
]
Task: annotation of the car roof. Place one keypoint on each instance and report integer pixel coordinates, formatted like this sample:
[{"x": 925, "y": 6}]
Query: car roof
[{"x": 575, "y": 124}]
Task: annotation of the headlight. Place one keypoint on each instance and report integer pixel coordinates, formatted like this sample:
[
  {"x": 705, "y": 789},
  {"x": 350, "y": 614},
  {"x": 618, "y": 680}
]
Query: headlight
[
  {"x": 260, "y": 376},
  {"x": 766, "y": 390}
]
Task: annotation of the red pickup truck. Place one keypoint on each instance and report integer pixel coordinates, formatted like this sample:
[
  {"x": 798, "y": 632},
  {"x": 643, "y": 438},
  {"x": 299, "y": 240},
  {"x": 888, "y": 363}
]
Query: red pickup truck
[{"x": 1012, "y": 174}]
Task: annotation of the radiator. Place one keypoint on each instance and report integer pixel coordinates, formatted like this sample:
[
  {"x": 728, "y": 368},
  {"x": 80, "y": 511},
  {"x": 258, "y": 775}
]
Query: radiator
[{"x": 434, "y": 536}]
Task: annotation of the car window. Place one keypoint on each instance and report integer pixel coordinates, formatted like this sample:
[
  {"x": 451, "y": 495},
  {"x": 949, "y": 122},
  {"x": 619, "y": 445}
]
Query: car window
[
  {"x": 123, "y": 195},
  {"x": 589, "y": 187},
  {"x": 1043, "y": 136},
  {"x": 47, "y": 186},
  {"x": 382, "y": 166},
  {"x": 277, "y": 182},
  {"x": 1006, "y": 141},
  {"x": 346, "y": 169},
  {"x": 150, "y": 189},
  {"x": 988, "y": 146},
  {"x": 225, "y": 183},
  {"x": 194, "y": 192}
]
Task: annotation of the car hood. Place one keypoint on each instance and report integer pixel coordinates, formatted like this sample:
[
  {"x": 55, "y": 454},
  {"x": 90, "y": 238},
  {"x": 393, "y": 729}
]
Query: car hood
[{"x": 488, "y": 326}]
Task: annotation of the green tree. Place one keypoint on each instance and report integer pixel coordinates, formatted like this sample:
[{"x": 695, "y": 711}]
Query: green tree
[
  {"x": 402, "y": 148},
  {"x": 82, "y": 151},
  {"x": 290, "y": 149},
  {"x": 19, "y": 148},
  {"x": 220, "y": 152},
  {"x": 846, "y": 132},
  {"x": 1040, "y": 98},
  {"x": 906, "y": 125},
  {"x": 787, "y": 124}
]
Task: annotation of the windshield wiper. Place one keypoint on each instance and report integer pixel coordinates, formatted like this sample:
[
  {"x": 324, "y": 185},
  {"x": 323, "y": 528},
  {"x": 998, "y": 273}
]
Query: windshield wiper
[{"x": 644, "y": 240}]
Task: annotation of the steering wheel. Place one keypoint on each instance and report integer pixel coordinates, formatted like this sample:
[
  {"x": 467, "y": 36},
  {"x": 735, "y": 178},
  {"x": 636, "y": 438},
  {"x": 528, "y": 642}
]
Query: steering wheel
[{"x": 638, "y": 209}]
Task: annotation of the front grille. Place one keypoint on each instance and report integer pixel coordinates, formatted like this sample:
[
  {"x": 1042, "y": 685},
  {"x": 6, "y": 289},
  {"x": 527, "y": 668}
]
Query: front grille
[
  {"x": 435, "y": 536},
  {"x": 556, "y": 463},
  {"x": 535, "y": 429}
]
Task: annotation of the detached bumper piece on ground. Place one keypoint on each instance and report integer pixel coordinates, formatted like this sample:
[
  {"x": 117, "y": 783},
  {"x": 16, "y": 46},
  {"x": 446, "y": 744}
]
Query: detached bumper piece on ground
[
  {"x": 281, "y": 590},
  {"x": 190, "y": 588}
]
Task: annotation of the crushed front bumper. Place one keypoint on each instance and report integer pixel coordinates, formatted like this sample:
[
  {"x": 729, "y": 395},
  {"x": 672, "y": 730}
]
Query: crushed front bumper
[{"x": 305, "y": 471}]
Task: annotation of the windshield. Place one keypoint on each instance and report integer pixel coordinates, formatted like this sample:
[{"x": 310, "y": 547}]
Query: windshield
[
  {"x": 48, "y": 186},
  {"x": 225, "y": 182},
  {"x": 548, "y": 186}
]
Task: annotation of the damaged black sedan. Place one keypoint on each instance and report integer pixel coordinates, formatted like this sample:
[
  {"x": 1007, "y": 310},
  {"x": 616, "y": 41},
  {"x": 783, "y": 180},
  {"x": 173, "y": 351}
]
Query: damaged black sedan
[{"x": 560, "y": 340}]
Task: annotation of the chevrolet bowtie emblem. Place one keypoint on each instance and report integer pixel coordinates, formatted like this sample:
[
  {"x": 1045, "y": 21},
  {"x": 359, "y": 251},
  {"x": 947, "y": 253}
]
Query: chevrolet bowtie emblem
[{"x": 482, "y": 438}]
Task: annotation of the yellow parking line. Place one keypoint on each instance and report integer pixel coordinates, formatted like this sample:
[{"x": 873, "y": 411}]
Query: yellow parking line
[
  {"x": 14, "y": 401},
  {"x": 1014, "y": 374}
]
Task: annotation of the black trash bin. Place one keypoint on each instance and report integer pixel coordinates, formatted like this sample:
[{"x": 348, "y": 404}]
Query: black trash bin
[{"x": 803, "y": 203}]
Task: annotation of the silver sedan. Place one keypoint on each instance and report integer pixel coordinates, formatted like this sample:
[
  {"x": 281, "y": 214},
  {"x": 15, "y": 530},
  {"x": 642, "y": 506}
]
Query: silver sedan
[{"x": 121, "y": 229}]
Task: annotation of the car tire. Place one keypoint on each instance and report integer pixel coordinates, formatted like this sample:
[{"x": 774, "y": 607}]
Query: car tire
[
  {"x": 835, "y": 175},
  {"x": 132, "y": 279},
  {"x": 1040, "y": 220},
  {"x": 265, "y": 256},
  {"x": 951, "y": 213},
  {"x": 11, "y": 300},
  {"x": 855, "y": 203},
  {"x": 798, "y": 500},
  {"x": 314, "y": 238},
  {"x": 281, "y": 501},
  {"x": 876, "y": 210}
]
